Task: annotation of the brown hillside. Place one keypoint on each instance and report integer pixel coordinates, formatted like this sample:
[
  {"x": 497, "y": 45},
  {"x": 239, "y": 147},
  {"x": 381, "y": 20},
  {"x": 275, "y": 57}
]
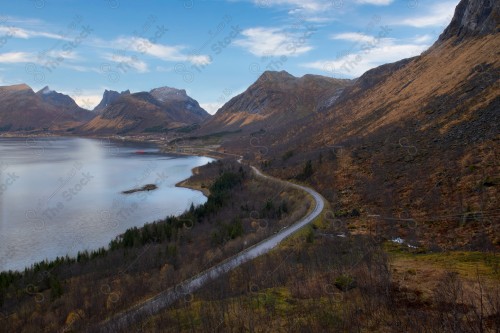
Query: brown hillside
[
  {"x": 160, "y": 110},
  {"x": 23, "y": 110},
  {"x": 275, "y": 100},
  {"x": 415, "y": 138}
]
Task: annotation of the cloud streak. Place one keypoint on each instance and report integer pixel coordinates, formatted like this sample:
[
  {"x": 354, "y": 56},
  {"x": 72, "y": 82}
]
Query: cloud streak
[
  {"x": 438, "y": 15},
  {"x": 143, "y": 46},
  {"x": 27, "y": 34},
  {"x": 264, "y": 42},
  {"x": 127, "y": 62},
  {"x": 16, "y": 57},
  {"x": 369, "y": 55}
]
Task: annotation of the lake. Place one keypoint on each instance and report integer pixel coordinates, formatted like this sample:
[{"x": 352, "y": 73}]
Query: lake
[{"x": 59, "y": 196}]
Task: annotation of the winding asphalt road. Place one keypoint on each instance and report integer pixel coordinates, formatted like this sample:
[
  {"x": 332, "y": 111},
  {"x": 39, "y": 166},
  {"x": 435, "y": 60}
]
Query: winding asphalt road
[{"x": 185, "y": 289}]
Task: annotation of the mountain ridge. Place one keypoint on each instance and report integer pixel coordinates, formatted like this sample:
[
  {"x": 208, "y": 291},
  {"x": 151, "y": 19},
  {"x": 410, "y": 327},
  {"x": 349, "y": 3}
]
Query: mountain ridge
[
  {"x": 160, "y": 110},
  {"x": 108, "y": 97},
  {"x": 21, "y": 109},
  {"x": 274, "y": 98}
]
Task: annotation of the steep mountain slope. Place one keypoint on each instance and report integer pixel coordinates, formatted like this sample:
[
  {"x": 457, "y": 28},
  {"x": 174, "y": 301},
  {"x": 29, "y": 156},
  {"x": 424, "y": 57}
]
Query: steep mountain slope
[
  {"x": 415, "y": 138},
  {"x": 454, "y": 82},
  {"x": 108, "y": 97},
  {"x": 21, "y": 109},
  {"x": 275, "y": 100},
  {"x": 161, "y": 109},
  {"x": 472, "y": 18}
]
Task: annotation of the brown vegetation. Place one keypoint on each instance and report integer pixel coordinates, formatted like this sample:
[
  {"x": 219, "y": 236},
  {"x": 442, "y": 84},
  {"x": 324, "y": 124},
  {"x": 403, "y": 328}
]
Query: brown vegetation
[{"x": 74, "y": 294}]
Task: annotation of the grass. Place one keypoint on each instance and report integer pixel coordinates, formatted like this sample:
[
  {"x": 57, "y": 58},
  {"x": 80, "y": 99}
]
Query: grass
[
  {"x": 302, "y": 233},
  {"x": 467, "y": 264}
]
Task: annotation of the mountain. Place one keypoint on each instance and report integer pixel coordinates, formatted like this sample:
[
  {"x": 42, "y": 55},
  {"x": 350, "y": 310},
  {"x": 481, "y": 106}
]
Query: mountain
[
  {"x": 179, "y": 105},
  {"x": 151, "y": 112},
  {"x": 418, "y": 137},
  {"x": 108, "y": 97},
  {"x": 472, "y": 18},
  {"x": 276, "y": 99},
  {"x": 21, "y": 109},
  {"x": 66, "y": 103}
]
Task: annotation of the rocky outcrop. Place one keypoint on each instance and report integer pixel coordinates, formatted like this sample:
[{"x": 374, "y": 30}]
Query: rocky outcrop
[
  {"x": 109, "y": 97},
  {"x": 179, "y": 99},
  {"x": 473, "y": 18}
]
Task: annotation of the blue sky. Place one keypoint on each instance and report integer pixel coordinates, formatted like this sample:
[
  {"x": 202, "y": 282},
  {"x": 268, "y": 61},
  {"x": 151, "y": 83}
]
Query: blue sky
[{"x": 213, "y": 49}]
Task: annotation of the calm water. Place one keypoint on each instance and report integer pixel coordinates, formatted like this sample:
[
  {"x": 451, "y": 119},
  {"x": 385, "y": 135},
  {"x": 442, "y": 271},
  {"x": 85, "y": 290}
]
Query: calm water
[{"x": 62, "y": 195}]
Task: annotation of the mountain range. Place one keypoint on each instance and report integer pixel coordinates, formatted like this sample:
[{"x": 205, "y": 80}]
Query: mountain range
[
  {"x": 21, "y": 109},
  {"x": 156, "y": 111},
  {"x": 24, "y": 111}
]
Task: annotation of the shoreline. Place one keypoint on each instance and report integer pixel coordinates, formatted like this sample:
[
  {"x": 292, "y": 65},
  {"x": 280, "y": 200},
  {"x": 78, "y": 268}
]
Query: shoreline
[
  {"x": 185, "y": 183},
  {"x": 162, "y": 149}
]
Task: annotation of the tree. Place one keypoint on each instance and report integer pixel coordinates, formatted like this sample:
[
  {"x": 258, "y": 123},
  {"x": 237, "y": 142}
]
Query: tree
[{"x": 307, "y": 172}]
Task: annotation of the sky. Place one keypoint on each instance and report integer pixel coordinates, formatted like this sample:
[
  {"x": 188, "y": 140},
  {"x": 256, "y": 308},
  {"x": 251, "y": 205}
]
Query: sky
[{"x": 214, "y": 49}]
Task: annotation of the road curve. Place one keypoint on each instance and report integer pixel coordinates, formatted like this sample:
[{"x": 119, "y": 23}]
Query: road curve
[{"x": 185, "y": 289}]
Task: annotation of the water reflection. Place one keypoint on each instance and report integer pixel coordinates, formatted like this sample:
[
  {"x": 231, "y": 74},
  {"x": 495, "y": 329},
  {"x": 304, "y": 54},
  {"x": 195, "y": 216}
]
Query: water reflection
[{"x": 62, "y": 195}]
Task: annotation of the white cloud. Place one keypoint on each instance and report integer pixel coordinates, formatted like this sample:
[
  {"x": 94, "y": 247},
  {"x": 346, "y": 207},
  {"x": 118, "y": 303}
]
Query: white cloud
[
  {"x": 15, "y": 57},
  {"x": 316, "y": 11},
  {"x": 423, "y": 39},
  {"x": 211, "y": 107},
  {"x": 26, "y": 34},
  {"x": 88, "y": 102},
  {"x": 127, "y": 62},
  {"x": 50, "y": 57},
  {"x": 354, "y": 37},
  {"x": 85, "y": 98},
  {"x": 317, "y": 5},
  {"x": 83, "y": 69},
  {"x": 369, "y": 56},
  {"x": 375, "y": 2},
  {"x": 66, "y": 55},
  {"x": 163, "y": 52},
  {"x": 273, "y": 42},
  {"x": 439, "y": 15},
  {"x": 311, "y": 5}
]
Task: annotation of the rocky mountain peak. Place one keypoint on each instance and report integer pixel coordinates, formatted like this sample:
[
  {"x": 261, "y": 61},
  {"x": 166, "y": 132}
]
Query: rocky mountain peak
[
  {"x": 473, "y": 18},
  {"x": 167, "y": 93},
  {"x": 16, "y": 87},
  {"x": 109, "y": 97},
  {"x": 46, "y": 90},
  {"x": 272, "y": 76}
]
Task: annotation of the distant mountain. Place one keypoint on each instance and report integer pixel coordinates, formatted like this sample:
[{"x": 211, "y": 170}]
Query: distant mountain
[
  {"x": 109, "y": 97},
  {"x": 66, "y": 103},
  {"x": 150, "y": 112},
  {"x": 276, "y": 99},
  {"x": 21, "y": 109},
  {"x": 179, "y": 105}
]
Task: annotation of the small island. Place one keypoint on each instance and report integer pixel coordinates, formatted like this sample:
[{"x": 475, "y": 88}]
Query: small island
[{"x": 148, "y": 187}]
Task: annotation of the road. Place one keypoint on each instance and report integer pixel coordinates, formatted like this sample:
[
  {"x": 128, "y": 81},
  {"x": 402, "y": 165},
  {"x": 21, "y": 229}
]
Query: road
[{"x": 185, "y": 289}]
